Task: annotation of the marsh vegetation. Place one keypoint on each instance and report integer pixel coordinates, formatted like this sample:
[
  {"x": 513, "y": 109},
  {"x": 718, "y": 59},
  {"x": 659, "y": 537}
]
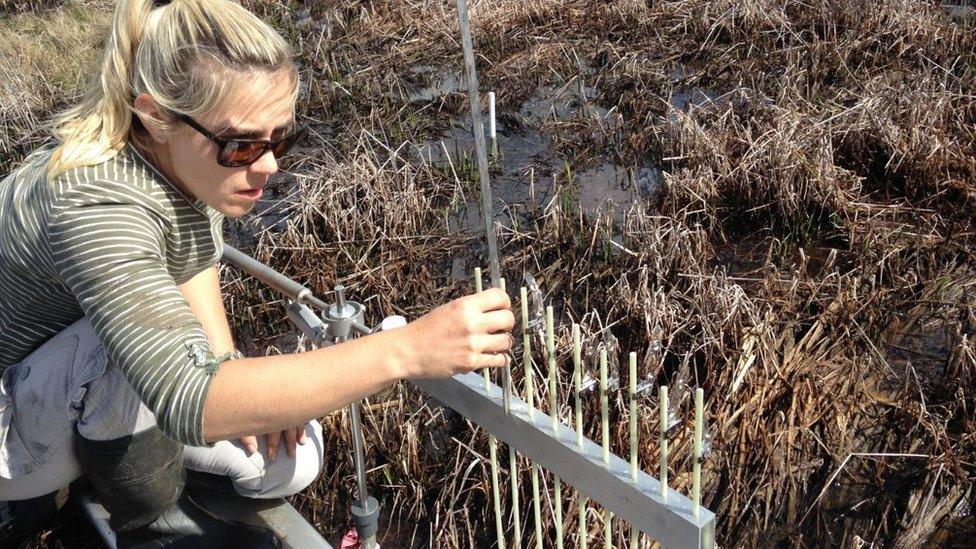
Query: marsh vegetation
[{"x": 772, "y": 199}]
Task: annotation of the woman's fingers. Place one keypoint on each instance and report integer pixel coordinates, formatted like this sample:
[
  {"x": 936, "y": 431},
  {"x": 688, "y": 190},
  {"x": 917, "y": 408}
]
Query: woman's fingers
[
  {"x": 274, "y": 440},
  {"x": 291, "y": 440},
  {"x": 490, "y": 300},
  {"x": 250, "y": 444},
  {"x": 492, "y": 360},
  {"x": 496, "y": 321},
  {"x": 493, "y": 343}
]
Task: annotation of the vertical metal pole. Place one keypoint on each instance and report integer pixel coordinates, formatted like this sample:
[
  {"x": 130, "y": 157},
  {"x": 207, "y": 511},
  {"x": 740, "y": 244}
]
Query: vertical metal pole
[
  {"x": 512, "y": 462},
  {"x": 506, "y": 372},
  {"x": 477, "y": 127},
  {"x": 479, "y": 139},
  {"x": 354, "y": 417},
  {"x": 664, "y": 442},
  {"x": 478, "y": 288},
  {"x": 696, "y": 467},
  {"x": 355, "y": 422},
  {"x": 578, "y": 409},
  {"x": 357, "y": 447}
]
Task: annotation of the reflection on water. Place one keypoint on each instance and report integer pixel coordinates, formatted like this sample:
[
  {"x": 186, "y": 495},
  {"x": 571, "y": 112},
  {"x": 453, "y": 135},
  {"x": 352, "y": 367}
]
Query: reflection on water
[{"x": 528, "y": 172}]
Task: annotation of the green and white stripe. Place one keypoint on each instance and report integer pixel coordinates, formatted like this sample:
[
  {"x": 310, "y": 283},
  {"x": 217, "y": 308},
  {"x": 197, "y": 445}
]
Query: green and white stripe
[{"x": 112, "y": 242}]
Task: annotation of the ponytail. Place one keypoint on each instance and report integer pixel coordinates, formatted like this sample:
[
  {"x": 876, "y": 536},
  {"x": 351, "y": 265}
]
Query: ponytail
[
  {"x": 187, "y": 55},
  {"x": 95, "y": 129}
]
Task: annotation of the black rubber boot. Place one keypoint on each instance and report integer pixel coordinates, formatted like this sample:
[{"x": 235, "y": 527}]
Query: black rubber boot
[
  {"x": 186, "y": 525},
  {"x": 140, "y": 480},
  {"x": 136, "y": 478},
  {"x": 21, "y": 519}
]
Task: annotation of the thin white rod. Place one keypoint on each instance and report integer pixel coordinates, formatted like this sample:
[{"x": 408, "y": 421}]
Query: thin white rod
[
  {"x": 557, "y": 502},
  {"x": 492, "y": 133},
  {"x": 578, "y": 408},
  {"x": 696, "y": 467},
  {"x": 578, "y": 383},
  {"x": 536, "y": 506},
  {"x": 605, "y": 434},
  {"x": 527, "y": 353},
  {"x": 516, "y": 511},
  {"x": 664, "y": 442},
  {"x": 604, "y": 407},
  {"x": 495, "y": 492},
  {"x": 633, "y": 433},
  {"x": 553, "y": 375}
]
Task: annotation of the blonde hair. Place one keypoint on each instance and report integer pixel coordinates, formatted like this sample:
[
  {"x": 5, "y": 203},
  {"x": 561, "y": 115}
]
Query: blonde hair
[{"x": 188, "y": 55}]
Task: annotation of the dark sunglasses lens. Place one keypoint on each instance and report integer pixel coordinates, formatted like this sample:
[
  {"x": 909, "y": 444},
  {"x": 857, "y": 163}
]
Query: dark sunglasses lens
[
  {"x": 241, "y": 153},
  {"x": 285, "y": 145}
]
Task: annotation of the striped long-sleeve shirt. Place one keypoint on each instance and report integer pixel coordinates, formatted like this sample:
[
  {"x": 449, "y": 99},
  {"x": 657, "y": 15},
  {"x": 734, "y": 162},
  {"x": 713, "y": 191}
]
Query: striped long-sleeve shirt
[{"x": 111, "y": 242}]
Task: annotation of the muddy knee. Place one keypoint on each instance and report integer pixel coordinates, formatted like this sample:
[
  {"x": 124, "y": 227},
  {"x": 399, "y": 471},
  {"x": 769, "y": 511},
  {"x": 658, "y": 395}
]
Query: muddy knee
[{"x": 135, "y": 477}]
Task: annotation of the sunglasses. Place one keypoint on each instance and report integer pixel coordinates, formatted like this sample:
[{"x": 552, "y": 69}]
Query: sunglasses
[{"x": 234, "y": 153}]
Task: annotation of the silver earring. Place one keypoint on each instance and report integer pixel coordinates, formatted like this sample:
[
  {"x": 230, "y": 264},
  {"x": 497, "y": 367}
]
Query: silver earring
[{"x": 159, "y": 139}]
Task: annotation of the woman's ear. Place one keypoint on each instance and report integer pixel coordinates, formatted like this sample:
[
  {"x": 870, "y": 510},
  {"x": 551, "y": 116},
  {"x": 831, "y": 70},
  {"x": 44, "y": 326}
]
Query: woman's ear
[{"x": 151, "y": 116}]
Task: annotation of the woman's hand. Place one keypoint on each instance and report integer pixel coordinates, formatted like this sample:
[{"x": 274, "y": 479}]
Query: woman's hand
[
  {"x": 292, "y": 437},
  {"x": 466, "y": 334}
]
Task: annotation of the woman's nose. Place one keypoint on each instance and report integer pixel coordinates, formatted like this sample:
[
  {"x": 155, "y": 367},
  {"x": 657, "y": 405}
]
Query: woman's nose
[{"x": 266, "y": 164}]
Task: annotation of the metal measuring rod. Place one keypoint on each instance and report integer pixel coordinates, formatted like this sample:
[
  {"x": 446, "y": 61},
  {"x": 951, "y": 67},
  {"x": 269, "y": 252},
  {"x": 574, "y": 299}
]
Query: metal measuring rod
[{"x": 337, "y": 322}]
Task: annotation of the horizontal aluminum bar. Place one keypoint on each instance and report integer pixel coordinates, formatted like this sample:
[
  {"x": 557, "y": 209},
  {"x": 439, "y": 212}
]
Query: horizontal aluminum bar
[
  {"x": 271, "y": 277},
  {"x": 670, "y": 521}
]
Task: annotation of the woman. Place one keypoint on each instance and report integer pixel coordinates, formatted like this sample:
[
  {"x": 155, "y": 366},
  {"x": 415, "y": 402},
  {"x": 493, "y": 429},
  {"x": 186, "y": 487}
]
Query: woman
[{"x": 116, "y": 354}]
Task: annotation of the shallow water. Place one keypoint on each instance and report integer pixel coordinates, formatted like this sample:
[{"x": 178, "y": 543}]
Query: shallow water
[{"x": 527, "y": 172}]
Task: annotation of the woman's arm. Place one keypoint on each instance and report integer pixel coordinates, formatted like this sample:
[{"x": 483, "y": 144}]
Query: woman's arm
[
  {"x": 265, "y": 394},
  {"x": 247, "y": 396},
  {"x": 202, "y": 292}
]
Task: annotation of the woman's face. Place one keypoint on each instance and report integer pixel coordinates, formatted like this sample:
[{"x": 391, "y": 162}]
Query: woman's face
[{"x": 262, "y": 108}]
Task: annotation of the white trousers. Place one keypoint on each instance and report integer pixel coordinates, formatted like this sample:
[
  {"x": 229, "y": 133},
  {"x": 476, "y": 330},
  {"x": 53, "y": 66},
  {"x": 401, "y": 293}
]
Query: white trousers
[{"x": 66, "y": 386}]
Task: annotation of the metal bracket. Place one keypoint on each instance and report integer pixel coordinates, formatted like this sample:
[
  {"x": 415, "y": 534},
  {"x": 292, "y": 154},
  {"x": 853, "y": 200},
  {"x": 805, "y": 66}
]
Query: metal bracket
[{"x": 309, "y": 323}]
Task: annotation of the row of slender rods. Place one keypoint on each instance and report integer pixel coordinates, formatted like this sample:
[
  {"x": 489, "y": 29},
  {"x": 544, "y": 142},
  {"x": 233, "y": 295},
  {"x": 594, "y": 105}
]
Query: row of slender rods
[{"x": 578, "y": 417}]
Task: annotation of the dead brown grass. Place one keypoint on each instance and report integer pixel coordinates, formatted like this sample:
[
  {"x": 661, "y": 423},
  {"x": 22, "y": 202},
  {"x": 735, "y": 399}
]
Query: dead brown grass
[
  {"x": 807, "y": 259},
  {"x": 47, "y": 55}
]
